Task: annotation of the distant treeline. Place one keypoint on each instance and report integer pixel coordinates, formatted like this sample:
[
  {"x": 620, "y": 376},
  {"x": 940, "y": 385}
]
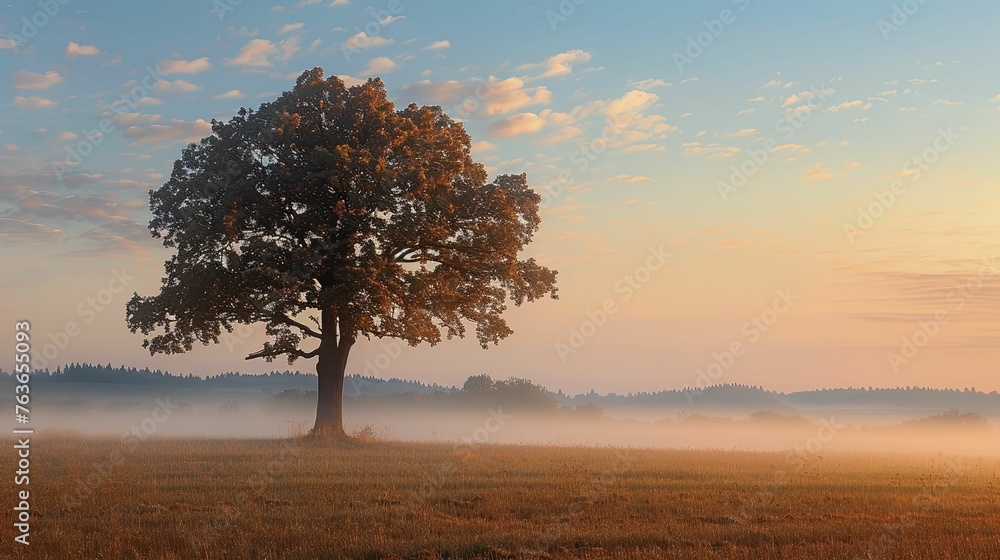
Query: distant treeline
[
  {"x": 734, "y": 394},
  {"x": 483, "y": 387},
  {"x": 479, "y": 391},
  {"x": 274, "y": 381}
]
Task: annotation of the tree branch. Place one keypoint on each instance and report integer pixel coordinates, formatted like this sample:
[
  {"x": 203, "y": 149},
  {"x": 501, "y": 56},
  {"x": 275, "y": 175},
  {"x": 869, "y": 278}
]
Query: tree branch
[
  {"x": 415, "y": 252},
  {"x": 274, "y": 352},
  {"x": 288, "y": 321}
]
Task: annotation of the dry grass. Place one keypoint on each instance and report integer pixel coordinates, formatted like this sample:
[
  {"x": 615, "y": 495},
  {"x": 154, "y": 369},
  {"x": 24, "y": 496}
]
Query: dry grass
[{"x": 265, "y": 499}]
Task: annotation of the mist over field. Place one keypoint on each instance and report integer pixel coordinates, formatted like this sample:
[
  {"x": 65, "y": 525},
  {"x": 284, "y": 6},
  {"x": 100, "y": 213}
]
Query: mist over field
[
  {"x": 525, "y": 427},
  {"x": 516, "y": 411}
]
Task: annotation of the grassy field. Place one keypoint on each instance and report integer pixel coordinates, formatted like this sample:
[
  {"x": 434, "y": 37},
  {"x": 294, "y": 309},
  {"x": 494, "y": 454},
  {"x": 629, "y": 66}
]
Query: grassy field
[{"x": 299, "y": 499}]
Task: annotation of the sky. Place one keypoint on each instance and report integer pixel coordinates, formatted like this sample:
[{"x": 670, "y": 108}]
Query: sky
[{"x": 785, "y": 194}]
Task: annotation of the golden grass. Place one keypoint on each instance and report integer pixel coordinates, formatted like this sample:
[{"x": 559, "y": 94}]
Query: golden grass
[{"x": 302, "y": 499}]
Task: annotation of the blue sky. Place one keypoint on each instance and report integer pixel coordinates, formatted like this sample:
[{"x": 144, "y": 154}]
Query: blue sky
[{"x": 866, "y": 96}]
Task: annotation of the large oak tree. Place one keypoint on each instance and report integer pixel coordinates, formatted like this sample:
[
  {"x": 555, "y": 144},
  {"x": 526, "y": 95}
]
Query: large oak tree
[{"x": 329, "y": 215}]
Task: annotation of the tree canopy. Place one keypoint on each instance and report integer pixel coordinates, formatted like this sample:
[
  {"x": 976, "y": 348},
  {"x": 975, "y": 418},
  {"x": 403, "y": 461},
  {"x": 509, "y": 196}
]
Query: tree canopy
[{"x": 330, "y": 215}]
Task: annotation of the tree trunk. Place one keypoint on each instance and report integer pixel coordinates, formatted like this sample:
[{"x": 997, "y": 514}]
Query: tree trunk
[{"x": 330, "y": 370}]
